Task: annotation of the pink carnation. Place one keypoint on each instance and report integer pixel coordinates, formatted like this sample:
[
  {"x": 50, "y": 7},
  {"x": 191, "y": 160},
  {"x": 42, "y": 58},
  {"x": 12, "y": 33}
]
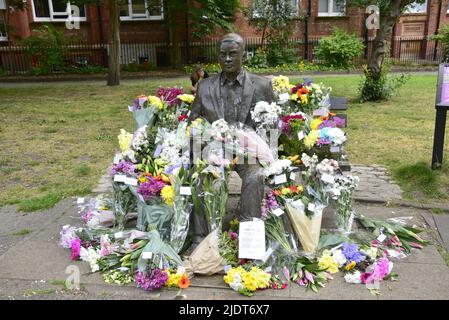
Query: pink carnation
[{"x": 76, "y": 248}]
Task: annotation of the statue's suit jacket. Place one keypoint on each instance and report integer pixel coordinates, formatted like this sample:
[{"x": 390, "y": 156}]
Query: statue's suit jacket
[{"x": 207, "y": 100}]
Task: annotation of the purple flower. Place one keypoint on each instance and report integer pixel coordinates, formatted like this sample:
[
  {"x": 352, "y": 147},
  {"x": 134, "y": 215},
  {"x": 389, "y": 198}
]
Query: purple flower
[
  {"x": 149, "y": 283},
  {"x": 76, "y": 248},
  {"x": 233, "y": 235},
  {"x": 351, "y": 252},
  {"x": 339, "y": 122},
  {"x": 123, "y": 167},
  {"x": 151, "y": 188},
  {"x": 322, "y": 142},
  {"x": 335, "y": 122},
  {"x": 268, "y": 203},
  {"x": 382, "y": 267},
  {"x": 87, "y": 215},
  {"x": 170, "y": 95}
]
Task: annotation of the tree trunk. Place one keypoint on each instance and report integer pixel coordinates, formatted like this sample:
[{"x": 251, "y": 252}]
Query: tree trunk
[
  {"x": 114, "y": 44},
  {"x": 173, "y": 16},
  {"x": 388, "y": 18}
]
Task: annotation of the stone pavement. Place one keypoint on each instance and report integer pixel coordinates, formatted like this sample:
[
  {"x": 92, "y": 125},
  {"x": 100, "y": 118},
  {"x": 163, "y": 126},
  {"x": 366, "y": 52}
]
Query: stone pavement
[{"x": 32, "y": 265}]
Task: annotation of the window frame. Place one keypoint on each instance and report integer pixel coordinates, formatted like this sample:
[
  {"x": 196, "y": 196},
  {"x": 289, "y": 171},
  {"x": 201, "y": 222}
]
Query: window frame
[
  {"x": 330, "y": 10},
  {"x": 51, "y": 12},
  {"x": 140, "y": 17}
]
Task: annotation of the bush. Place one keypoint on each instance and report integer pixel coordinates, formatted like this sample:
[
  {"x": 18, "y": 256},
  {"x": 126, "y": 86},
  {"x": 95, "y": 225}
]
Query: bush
[
  {"x": 280, "y": 52},
  {"x": 46, "y": 49},
  {"x": 258, "y": 61},
  {"x": 372, "y": 89},
  {"x": 340, "y": 49}
]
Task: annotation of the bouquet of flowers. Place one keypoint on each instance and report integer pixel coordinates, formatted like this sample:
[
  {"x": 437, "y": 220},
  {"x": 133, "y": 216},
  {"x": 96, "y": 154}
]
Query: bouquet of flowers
[
  {"x": 342, "y": 195},
  {"x": 247, "y": 281}
]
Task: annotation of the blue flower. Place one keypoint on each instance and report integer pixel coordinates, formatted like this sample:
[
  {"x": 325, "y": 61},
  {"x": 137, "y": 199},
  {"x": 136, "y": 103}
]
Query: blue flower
[{"x": 351, "y": 252}]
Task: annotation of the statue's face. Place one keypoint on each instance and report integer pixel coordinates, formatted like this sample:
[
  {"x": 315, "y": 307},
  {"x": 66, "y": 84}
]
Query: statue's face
[{"x": 230, "y": 57}]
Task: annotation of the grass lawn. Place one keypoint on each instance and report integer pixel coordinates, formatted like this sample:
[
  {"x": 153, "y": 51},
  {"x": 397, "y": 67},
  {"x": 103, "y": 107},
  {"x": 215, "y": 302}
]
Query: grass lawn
[{"x": 57, "y": 140}]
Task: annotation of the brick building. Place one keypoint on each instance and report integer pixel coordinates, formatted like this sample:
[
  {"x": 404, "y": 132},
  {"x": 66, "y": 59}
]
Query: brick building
[{"x": 141, "y": 25}]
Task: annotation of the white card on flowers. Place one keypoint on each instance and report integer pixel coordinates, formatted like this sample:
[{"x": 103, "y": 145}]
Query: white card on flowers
[
  {"x": 334, "y": 149},
  {"x": 252, "y": 239},
  {"x": 282, "y": 178},
  {"x": 292, "y": 176},
  {"x": 131, "y": 181},
  {"x": 80, "y": 201},
  {"x": 185, "y": 191},
  {"x": 311, "y": 207},
  {"x": 283, "y": 97},
  {"x": 118, "y": 235},
  {"x": 119, "y": 178},
  {"x": 117, "y": 158},
  {"x": 147, "y": 255},
  {"x": 278, "y": 212},
  {"x": 301, "y": 135},
  {"x": 381, "y": 238},
  {"x": 327, "y": 178}
]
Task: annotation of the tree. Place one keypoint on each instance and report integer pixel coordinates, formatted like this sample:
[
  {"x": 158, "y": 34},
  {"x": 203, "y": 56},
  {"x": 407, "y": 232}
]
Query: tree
[
  {"x": 389, "y": 13},
  {"x": 276, "y": 20},
  {"x": 113, "y": 36},
  {"x": 204, "y": 16}
]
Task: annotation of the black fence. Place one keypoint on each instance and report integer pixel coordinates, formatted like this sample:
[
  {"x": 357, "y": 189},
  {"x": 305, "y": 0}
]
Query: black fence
[{"x": 19, "y": 59}]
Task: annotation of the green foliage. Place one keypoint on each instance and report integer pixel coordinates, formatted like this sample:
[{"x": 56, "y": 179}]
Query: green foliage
[
  {"x": 420, "y": 177},
  {"x": 46, "y": 49},
  {"x": 443, "y": 36},
  {"x": 40, "y": 203},
  {"x": 380, "y": 87},
  {"x": 279, "y": 51},
  {"x": 276, "y": 21},
  {"x": 340, "y": 49},
  {"x": 259, "y": 60}
]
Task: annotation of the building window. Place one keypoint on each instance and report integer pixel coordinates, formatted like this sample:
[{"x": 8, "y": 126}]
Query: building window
[
  {"x": 417, "y": 7},
  {"x": 3, "y": 34},
  {"x": 142, "y": 10},
  {"x": 331, "y": 8},
  {"x": 293, "y": 3},
  {"x": 55, "y": 10}
]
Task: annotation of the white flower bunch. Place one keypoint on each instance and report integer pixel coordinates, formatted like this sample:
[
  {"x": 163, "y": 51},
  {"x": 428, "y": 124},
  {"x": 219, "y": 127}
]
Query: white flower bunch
[
  {"x": 309, "y": 162},
  {"x": 338, "y": 257},
  {"x": 174, "y": 146},
  {"x": 327, "y": 166},
  {"x": 344, "y": 184},
  {"x": 90, "y": 256},
  {"x": 353, "y": 277},
  {"x": 336, "y": 135},
  {"x": 140, "y": 139},
  {"x": 266, "y": 114},
  {"x": 277, "y": 167}
]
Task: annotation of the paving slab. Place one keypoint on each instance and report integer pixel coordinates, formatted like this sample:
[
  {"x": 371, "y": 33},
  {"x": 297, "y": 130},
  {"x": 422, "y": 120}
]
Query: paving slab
[{"x": 442, "y": 224}]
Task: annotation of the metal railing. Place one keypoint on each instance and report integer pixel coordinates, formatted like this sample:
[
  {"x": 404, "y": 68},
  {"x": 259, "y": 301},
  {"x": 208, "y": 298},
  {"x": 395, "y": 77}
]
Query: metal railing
[{"x": 16, "y": 58}]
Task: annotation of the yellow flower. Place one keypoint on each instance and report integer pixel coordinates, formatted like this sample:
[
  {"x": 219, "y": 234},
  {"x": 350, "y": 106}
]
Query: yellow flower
[
  {"x": 350, "y": 266},
  {"x": 286, "y": 191},
  {"x": 156, "y": 102},
  {"x": 304, "y": 99},
  {"x": 167, "y": 194},
  {"x": 187, "y": 98},
  {"x": 229, "y": 277},
  {"x": 165, "y": 178},
  {"x": 311, "y": 139},
  {"x": 327, "y": 262},
  {"x": 173, "y": 279},
  {"x": 124, "y": 140},
  {"x": 315, "y": 123}
]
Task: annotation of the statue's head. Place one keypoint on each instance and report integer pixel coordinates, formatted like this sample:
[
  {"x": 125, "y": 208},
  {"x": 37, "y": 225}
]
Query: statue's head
[{"x": 232, "y": 49}]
